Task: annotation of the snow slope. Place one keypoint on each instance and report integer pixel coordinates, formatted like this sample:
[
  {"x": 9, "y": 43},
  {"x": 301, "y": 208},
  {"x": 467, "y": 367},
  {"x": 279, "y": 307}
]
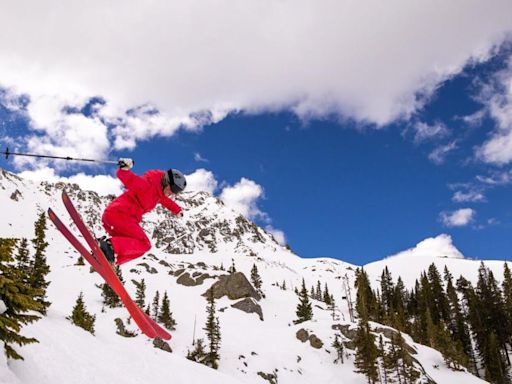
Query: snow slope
[{"x": 212, "y": 236}]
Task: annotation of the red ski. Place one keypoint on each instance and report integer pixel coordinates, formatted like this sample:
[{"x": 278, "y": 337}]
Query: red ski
[{"x": 99, "y": 262}]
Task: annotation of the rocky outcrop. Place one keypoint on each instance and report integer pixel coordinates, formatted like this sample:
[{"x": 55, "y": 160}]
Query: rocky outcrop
[
  {"x": 235, "y": 286},
  {"x": 189, "y": 281},
  {"x": 163, "y": 345},
  {"x": 304, "y": 336},
  {"x": 249, "y": 305}
]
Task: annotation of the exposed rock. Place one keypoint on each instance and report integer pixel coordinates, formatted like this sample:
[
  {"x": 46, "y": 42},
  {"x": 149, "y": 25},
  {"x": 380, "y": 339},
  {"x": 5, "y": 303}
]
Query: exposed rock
[
  {"x": 202, "y": 278},
  {"x": 302, "y": 335},
  {"x": 149, "y": 269},
  {"x": 249, "y": 305},
  {"x": 179, "y": 272},
  {"x": 270, "y": 377},
  {"x": 389, "y": 332},
  {"x": 160, "y": 344},
  {"x": 347, "y": 330},
  {"x": 186, "y": 280},
  {"x": 235, "y": 286},
  {"x": 315, "y": 342},
  {"x": 16, "y": 195},
  {"x": 164, "y": 263}
]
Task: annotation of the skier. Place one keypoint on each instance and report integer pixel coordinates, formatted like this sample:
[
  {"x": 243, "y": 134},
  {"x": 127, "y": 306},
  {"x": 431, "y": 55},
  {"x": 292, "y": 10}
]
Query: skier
[{"x": 122, "y": 216}]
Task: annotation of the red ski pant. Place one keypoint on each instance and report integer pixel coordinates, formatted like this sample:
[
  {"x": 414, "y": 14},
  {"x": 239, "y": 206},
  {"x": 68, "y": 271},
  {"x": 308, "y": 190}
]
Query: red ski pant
[{"x": 128, "y": 238}]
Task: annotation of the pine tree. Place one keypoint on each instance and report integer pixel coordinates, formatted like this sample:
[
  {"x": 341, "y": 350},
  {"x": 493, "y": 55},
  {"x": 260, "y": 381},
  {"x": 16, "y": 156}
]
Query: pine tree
[
  {"x": 507, "y": 296},
  {"x": 198, "y": 354},
  {"x": 366, "y": 352},
  {"x": 110, "y": 298},
  {"x": 438, "y": 304},
  {"x": 232, "y": 269},
  {"x": 387, "y": 291},
  {"x": 80, "y": 317},
  {"x": 156, "y": 305},
  {"x": 23, "y": 259},
  {"x": 39, "y": 267},
  {"x": 365, "y": 296},
  {"x": 495, "y": 370},
  {"x": 304, "y": 310},
  {"x": 255, "y": 277},
  {"x": 338, "y": 347},
  {"x": 327, "y": 296},
  {"x": 212, "y": 329},
  {"x": 165, "y": 316},
  {"x": 383, "y": 370},
  {"x": 140, "y": 294},
  {"x": 18, "y": 298},
  {"x": 318, "y": 292}
]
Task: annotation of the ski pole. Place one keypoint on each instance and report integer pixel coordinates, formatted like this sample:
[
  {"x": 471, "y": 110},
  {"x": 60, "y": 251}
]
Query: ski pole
[{"x": 7, "y": 153}]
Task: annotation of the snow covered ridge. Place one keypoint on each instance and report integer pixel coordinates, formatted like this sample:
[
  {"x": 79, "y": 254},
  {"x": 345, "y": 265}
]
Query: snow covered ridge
[{"x": 188, "y": 257}]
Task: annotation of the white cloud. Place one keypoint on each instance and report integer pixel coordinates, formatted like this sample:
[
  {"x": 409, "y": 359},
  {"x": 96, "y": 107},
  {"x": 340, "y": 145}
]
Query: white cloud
[
  {"x": 424, "y": 131},
  {"x": 277, "y": 233},
  {"x": 469, "y": 196},
  {"x": 363, "y": 60},
  {"x": 497, "y": 96},
  {"x": 496, "y": 178},
  {"x": 243, "y": 198},
  {"x": 201, "y": 180},
  {"x": 439, "y": 154},
  {"x": 458, "y": 218},
  {"x": 199, "y": 158},
  {"x": 102, "y": 184}
]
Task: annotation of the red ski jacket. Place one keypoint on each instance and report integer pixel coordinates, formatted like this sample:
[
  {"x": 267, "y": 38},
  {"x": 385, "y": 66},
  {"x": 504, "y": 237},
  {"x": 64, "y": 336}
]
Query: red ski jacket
[{"x": 142, "y": 195}]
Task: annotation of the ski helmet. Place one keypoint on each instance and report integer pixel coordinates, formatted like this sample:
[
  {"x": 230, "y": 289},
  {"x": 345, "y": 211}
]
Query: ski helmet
[{"x": 177, "y": 180}]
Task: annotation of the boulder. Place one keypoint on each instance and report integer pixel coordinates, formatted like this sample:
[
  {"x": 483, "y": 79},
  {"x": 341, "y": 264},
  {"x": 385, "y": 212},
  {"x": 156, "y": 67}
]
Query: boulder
[
  {"x": 315, "y": 342},
  {"x": 302, "y": 335},
  {"x": 249, "y": 305},
  {"x": 186, "y": 280},
  {"x": 235, "y": 286}
]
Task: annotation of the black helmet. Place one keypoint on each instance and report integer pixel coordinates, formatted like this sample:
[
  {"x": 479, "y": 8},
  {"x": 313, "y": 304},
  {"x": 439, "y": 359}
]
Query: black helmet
[{"x": 177, "y": 181}]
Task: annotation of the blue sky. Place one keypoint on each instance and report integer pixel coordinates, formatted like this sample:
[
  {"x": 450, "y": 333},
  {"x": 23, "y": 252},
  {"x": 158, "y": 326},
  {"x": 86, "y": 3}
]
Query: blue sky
[{"x": 353, "y": 151}]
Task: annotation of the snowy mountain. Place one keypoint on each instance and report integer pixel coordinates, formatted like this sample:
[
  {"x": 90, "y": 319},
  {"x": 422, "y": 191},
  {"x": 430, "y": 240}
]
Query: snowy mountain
[{"x": 260, "y": 342}]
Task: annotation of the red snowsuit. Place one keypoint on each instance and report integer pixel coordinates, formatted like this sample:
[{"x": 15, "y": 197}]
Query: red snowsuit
[{"x": 122, "y": 217}]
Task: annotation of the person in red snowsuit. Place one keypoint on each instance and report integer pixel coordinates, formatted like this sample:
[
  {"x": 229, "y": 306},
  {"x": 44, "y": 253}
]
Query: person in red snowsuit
[{"x": 123, "y": 215}]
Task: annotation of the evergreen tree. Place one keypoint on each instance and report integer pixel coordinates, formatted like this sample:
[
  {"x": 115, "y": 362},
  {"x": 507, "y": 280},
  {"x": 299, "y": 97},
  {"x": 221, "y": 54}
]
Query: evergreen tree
[
  {"x": 365, "y": 296},
  {"x": 255, "y": 277},
  {"x": 110, "y": 298},
  {"x": 23, "y": 260},
  {"x": 140, "y": 294},
  {"x": 327, "y": 296},
  {"x": 399, "y": 305},
  {"x": 366, "y": 351},
  {"x": 387, "y": 291},
  {"x": 304, "y": 310},
  {"x": 495, "y": 370},
  {"x": 232, "y": 269},
  {"x": 80, "y": 317},
  {"x": 507, "y": 296},
  {"x": 198, "y": 354},
  {"x": 18, "y": 298},
  {"x": 212, "y": 329},
  {"x": 318, "y": 291},
  {"x": 39, "y": 268},
  {"x": 165, "y": 316},
  {"x": 493, "y": 310},
  {"x": 383, "y": 370},
  {"x": 338, "y": 347},
  {"x": 438, "y": 304},
  {"x": 156, "y": 305},
  {"x": 457, "y": 323}
]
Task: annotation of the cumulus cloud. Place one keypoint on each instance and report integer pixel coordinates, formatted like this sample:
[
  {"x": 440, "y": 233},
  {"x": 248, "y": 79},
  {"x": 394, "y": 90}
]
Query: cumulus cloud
[
  {"x": 458, "y": 218},
  {"x": 243, "y": 198},
  {"x": 102, "y": 184},
  {"x": 277, "y": 233},
  {"x": 254, "y": 55},
  {"x": 202, "y": 180}
]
